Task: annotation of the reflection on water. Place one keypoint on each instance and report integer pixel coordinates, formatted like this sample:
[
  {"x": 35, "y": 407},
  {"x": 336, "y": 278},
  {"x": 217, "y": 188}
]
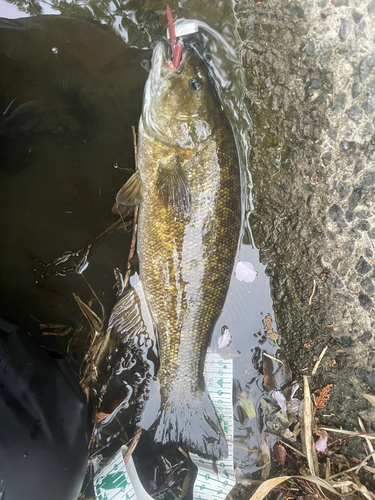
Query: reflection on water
[{"x": 70, "y": 90}]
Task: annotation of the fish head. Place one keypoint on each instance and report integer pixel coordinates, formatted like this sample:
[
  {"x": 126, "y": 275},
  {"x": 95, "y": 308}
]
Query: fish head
[{"x": 180, "y": 104}]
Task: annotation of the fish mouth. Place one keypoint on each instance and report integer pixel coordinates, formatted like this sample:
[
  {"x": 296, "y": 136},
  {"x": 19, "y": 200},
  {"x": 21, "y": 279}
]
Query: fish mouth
[
  {"x": 162, "y": 60},
  {"x": 162, "y": 67}
]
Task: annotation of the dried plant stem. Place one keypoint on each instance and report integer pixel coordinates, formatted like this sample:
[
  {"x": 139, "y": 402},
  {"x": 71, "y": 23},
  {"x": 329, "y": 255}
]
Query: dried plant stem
[
  {"x": 314, "y": 287},
  {"x": 132, "y": 445},
  {"x": 307, "y": 427},
  {"x": 369, "y": 444},
  {"x": 292, "y": 448},
  {"x": 316, "y": 366},
  {"x": 370, "y": 435}
]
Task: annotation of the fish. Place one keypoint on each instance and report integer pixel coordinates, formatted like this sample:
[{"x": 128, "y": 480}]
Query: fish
[{"x": 187, "y": 188}]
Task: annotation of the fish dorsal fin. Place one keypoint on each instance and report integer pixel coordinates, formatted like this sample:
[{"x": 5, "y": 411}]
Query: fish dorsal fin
[
  {"x": 130, "y": 320},
  {"x": 131, "y": 191},
  {"x": 174, "y": 187}
]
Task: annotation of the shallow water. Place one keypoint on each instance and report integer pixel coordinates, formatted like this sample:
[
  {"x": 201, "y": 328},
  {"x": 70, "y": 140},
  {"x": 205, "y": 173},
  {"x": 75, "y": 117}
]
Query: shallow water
[{"x": 70, "y": 90}]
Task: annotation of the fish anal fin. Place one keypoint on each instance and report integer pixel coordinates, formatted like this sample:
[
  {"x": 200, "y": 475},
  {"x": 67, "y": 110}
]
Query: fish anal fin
[
  {"x": 174, "y": 187},
  {"x": 131, "y": 191}
]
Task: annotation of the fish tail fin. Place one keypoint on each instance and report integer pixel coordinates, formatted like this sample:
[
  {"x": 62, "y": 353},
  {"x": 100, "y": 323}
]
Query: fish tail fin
[{"x": 190, "y": 421}]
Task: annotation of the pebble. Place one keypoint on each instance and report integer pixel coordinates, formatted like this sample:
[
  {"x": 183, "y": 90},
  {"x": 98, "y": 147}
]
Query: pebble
[
  {"x": 371, "y": 233},
  {"x": 268, "y": 83},
  {"x": 345, "y": 341},
  {"x": 355, "y": 198},
  {"x": 362, "y": 266},
  {"x": 349, "y": 216},
  {"x": 368, "y": 179},
  {"x": 368, "y": 105},
  {"x": 356, "y": 89},
  {"x": 368, "y": 285},
  {"x": 367, "y": 129},
  {"x": 315, "y": 83},
  {"x": 357, "y": 16},
  {"x": 335, "y": 213},
  {"x": 365, "y": 301},
  {"x": 342, "y": 189},
  {"x": 347, "y": 146},
  {"x": 360, "y": 30},
  {"x": 340, "y": 101},
  {"x": 355, "y": 113},
  {"x": 358, "y": 167},
  {"x": 336, "y": 282},
  {"x": 365, "y": 66},
  {"x": 364, "y": 225},
  {"x": 255, "y": 46},
  {"x": 371, "y": 7},
  {"x": 326, "y": 158},
  {"x": 332, "y": 134},
  {"x": 310, "y": 48},
  {"x": 345, "y": 29}
]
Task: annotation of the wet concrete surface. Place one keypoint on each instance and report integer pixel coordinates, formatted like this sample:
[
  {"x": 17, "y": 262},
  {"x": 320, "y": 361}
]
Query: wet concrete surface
[{"x": 310, "y": 93}]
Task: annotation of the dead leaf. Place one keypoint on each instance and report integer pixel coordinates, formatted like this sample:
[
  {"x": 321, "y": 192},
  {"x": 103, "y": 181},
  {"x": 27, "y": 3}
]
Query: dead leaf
[
  {"x": 246, "y": 402},
  {"x": 265, "y": 460},
  {"x": 93, "y": 319},
  {"x": 370, "y": 398},
  {"x": 267, "y": 486},
  {"x": 55, "y": 329},
  {"x": 280, "y": 453},
  {"x": 101, "y": 416},
  {"x": 307, "y": 437},
  {"x": 267, "y": 323}
]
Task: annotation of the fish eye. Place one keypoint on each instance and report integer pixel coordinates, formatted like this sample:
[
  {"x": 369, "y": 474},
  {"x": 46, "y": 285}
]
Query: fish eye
[{"x": 195, "y": 84}]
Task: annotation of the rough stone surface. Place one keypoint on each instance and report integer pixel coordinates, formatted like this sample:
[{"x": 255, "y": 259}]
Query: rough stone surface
[{"x": 313, "y": 171}]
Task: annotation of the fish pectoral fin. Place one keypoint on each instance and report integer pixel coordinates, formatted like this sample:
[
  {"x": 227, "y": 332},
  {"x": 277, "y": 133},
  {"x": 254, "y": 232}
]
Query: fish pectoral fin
[
  {"x": 174, "y": 187},
  {"x": 131, "y": 191}
]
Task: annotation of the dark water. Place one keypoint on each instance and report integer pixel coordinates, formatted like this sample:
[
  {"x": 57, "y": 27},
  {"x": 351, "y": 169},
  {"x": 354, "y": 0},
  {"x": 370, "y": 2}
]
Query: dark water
[{"x": 70, "y": 91}]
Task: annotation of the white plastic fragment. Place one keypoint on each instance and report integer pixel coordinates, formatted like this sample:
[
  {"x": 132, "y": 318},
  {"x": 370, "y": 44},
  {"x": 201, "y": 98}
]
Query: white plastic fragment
[
  {"x": 245, "y": 272},
  {"x": 186, "y": 28},
  {"x": 225, "y": 339}
]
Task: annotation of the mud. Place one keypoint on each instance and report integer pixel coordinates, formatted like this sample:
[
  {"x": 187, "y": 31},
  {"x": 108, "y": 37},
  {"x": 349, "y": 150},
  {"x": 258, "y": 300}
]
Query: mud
[{"x": 310, "y": 94}]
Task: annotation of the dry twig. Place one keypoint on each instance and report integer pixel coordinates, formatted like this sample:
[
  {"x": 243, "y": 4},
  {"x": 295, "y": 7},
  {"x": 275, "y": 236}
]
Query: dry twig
[
  {"x": 319, "y": 360},
  {"x": 314, "y": 287},
  {"x": 307, "y": 437},
  {"x": 132, "y": 445}
]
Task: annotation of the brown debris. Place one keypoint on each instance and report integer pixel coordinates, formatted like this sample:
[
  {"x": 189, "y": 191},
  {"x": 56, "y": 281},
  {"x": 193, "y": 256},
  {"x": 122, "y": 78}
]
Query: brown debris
[
  {"x": 280, "y": 453},
  {"x": 322, "y": 399},
  {"x": 101, "y": 416},
  {"x": 267, "y": 323}
]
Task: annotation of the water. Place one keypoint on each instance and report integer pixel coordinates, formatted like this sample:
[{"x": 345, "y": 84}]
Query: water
[{"x": 70, "y": 90}]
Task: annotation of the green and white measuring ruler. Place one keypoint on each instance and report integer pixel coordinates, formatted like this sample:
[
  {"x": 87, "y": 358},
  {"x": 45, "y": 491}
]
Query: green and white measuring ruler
[
  {"x": 120, "y": 482},
  {"x": 215, "y": 484}
]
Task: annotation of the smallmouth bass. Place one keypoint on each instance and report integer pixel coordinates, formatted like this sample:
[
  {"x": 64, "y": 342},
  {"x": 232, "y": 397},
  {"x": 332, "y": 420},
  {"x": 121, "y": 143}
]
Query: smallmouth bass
[{"x": 187, "y": 187}]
